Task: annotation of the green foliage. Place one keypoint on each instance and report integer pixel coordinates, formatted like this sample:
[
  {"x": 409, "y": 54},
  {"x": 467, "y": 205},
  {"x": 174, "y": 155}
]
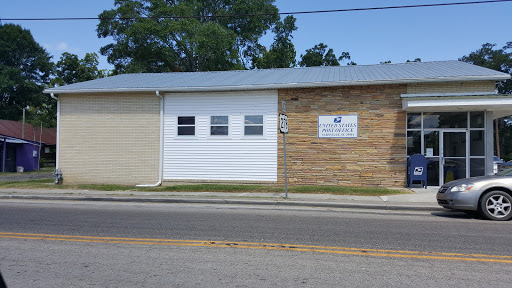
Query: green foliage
[
  {"x": 282, "y": 52},
  {"x": 24, "y": 69},
  {"x": 496, "y": 59},
  {"x": 70, "y": 69},
  {"x": 200, "y": 43},
  {"x": 500, "y": 60},
  {"x": 415, "y": 60},
  {"x": 320, "y": 56}
]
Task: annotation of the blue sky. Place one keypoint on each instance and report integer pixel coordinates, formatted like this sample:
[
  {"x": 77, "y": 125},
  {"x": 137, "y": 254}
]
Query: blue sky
[{"x": 398, "y": 35}]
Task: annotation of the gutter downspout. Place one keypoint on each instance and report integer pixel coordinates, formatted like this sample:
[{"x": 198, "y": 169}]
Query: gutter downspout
[
  {"x": 160, "y": 156},
  {"x": 58, "y": 129}
]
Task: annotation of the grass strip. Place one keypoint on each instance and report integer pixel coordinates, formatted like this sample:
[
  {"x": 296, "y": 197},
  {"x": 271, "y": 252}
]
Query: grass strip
[
  {"x": 43, "y": 170},
  {"x": 211, "y": 187}
]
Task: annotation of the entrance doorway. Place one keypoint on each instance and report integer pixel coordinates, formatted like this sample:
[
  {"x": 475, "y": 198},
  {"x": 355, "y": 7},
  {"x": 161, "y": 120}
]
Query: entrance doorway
[
  {"x": 10, "y": 157},
  {"x": 453, "y": 142},
  {"x": 447, "y": 155}
]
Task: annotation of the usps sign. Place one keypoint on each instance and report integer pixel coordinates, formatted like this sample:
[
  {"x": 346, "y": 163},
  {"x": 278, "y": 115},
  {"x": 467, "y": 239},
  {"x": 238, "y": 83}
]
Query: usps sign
[
  {"x": 337, "y": 126},
  {"x": 418, "y": 170}
]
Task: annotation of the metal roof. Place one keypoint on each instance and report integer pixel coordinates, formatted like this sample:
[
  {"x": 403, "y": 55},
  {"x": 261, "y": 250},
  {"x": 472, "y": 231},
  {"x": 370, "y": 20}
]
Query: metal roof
[
  {"x": 412, "y": 72},
  {"x": 13, "y": 129}
]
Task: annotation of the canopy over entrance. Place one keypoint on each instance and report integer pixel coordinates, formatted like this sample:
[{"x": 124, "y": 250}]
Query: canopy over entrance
[{"x": 500, "y": 105}]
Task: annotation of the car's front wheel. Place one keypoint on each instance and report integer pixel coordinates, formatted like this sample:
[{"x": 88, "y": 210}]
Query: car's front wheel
[{"x": 497, "y": 205}]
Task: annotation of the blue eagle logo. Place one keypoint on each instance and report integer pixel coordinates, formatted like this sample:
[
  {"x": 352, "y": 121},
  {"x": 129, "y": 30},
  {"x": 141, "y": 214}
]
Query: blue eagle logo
[{"x": 337, "y": 120}]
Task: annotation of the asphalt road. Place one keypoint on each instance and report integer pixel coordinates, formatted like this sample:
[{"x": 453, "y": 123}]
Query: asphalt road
[{"x": 130, "y": 244}]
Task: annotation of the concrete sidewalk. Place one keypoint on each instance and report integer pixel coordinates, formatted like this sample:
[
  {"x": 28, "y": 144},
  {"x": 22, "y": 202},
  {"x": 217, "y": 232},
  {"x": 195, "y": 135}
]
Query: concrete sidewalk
[{"x": 420, "y": 200}]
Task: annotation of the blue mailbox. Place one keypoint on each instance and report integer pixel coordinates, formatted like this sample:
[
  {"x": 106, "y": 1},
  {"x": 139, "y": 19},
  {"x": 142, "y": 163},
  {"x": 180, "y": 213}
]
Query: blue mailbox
[{"x": 417, "y": 169}]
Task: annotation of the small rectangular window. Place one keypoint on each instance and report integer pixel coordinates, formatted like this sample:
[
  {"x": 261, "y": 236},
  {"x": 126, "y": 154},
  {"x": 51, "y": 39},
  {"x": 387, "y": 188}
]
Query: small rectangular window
[
  {"x": 476, "y": 119},
  {"x": 445, "y": 120},
  {"x": 413, "y": 142},
  {"x": 476, "y": 143},
  {"x": 187, "y": 125},
  {"x": 219, "y": 125},
  {"x": 253, "y": 125},
  {"x": 413, "y": 120}
]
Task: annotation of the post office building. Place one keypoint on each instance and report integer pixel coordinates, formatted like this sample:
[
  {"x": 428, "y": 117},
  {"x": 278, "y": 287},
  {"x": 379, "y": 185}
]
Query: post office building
[{"x": 348, "y": 125}]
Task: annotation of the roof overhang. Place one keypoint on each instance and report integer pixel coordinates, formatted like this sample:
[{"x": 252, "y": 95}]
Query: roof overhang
[
  {"x": 13, "y": 140},
  {"x": 65, "y": 90},
  {"x": 500, "y": 105}
]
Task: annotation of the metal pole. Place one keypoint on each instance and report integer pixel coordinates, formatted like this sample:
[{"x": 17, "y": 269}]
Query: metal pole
[
  {"x": 283, "y": 109},
  {"x": 39, "y": 152},
  {"x": 285, "y": 172},
  {"x": 23, "y": 127},
  {"x": 4, "y": 153}
]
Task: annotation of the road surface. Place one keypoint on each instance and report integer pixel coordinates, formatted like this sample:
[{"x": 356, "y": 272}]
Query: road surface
[{"x": 85, "y": 244}]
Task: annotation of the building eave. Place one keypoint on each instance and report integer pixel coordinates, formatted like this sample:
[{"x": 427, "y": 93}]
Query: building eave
[{"x": 63, "y": 90}]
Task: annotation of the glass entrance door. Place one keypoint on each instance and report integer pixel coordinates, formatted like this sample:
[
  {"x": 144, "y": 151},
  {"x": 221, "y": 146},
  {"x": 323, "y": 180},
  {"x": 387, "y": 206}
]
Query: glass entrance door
[
  {"x": 432, "y": 153},
  {"x": 453, "y": 156},
  {"x": 446, "y": 152}
]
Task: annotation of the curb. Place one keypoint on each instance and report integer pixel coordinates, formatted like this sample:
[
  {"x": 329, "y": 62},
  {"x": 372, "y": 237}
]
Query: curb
[{"x": 393, "y": 207}]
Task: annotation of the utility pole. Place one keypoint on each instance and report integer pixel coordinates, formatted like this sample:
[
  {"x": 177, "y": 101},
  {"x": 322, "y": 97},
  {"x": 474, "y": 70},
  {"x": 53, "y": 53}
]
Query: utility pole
[{"x": 23, "y": 126}]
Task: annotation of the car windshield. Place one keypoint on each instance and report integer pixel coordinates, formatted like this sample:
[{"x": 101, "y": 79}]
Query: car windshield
[{"x": 505, "y": 172}]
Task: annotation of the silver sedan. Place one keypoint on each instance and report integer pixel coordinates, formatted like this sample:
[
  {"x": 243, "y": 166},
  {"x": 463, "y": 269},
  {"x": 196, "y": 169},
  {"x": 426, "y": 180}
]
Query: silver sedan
[{"x": 488, "y": 195}]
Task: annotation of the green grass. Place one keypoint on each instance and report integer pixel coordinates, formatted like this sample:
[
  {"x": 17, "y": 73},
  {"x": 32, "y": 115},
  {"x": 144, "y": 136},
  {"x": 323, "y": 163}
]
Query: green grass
[
  {"x": 33, "y": 183},
  {"x": 229, "y": 188},
  {"x": 43, "y": 170}
]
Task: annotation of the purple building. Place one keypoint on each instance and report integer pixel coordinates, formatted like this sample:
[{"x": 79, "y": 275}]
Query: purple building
[{"x": 25, "y": 153}]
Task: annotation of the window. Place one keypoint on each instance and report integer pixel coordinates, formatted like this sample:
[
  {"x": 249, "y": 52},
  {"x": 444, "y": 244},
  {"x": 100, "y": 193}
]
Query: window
[
  {"x": 219, "y": 125},
  {"x": 413, "y": 120},
  {"x": 186, "y": 125},
  {"x": 445, "y": 120},
  {"x": 253, "y": 125},
  {"x": 476, "y": 119},
  {"x": 413, "y": 142},
  {"x": 476, "y": 144}
]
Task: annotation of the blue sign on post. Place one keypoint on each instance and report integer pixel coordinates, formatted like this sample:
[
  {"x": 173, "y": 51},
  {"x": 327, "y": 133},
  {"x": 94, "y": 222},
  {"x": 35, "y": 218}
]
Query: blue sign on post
[{"x": 417, "y": 169}]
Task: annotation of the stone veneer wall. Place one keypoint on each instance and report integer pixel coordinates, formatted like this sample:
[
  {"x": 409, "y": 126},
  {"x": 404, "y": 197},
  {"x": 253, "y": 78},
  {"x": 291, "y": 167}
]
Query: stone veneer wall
[
  {"x": 376, "y": 158},
  {"x": 109, "y": 138}
]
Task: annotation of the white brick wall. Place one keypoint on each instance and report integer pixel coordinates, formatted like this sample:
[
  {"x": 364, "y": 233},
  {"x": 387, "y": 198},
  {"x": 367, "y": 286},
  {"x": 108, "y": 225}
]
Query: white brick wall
[{"x": 109, "y": 138}]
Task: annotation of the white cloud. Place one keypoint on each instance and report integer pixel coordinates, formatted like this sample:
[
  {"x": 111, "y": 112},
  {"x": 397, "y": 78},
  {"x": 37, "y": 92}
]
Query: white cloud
[
  {"x": 62, "y": 46},
  {"x": 56, "y": 49}
]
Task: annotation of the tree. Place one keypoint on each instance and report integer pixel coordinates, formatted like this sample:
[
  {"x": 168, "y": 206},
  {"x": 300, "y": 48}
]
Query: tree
[
  {"x": 282, "y": 51},
  {"x": 500, "y": 60},
  {"x": 415, "y": 60},
  {"x": 148, "y": 40},
  {"x": 25, "y": 68},
  {"x": 320, "y": 56},
  {"x": 70, "y": 69},
  {"x": 496, "y": 59}
]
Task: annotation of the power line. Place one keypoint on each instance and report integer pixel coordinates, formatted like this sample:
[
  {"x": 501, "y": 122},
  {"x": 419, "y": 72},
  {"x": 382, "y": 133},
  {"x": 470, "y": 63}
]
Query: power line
[{"x": 256, "y": 14}]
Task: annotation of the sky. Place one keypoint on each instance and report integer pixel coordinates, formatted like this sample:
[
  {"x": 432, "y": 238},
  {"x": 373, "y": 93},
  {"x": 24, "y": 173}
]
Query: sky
[{"x": 371, "y": 37}]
